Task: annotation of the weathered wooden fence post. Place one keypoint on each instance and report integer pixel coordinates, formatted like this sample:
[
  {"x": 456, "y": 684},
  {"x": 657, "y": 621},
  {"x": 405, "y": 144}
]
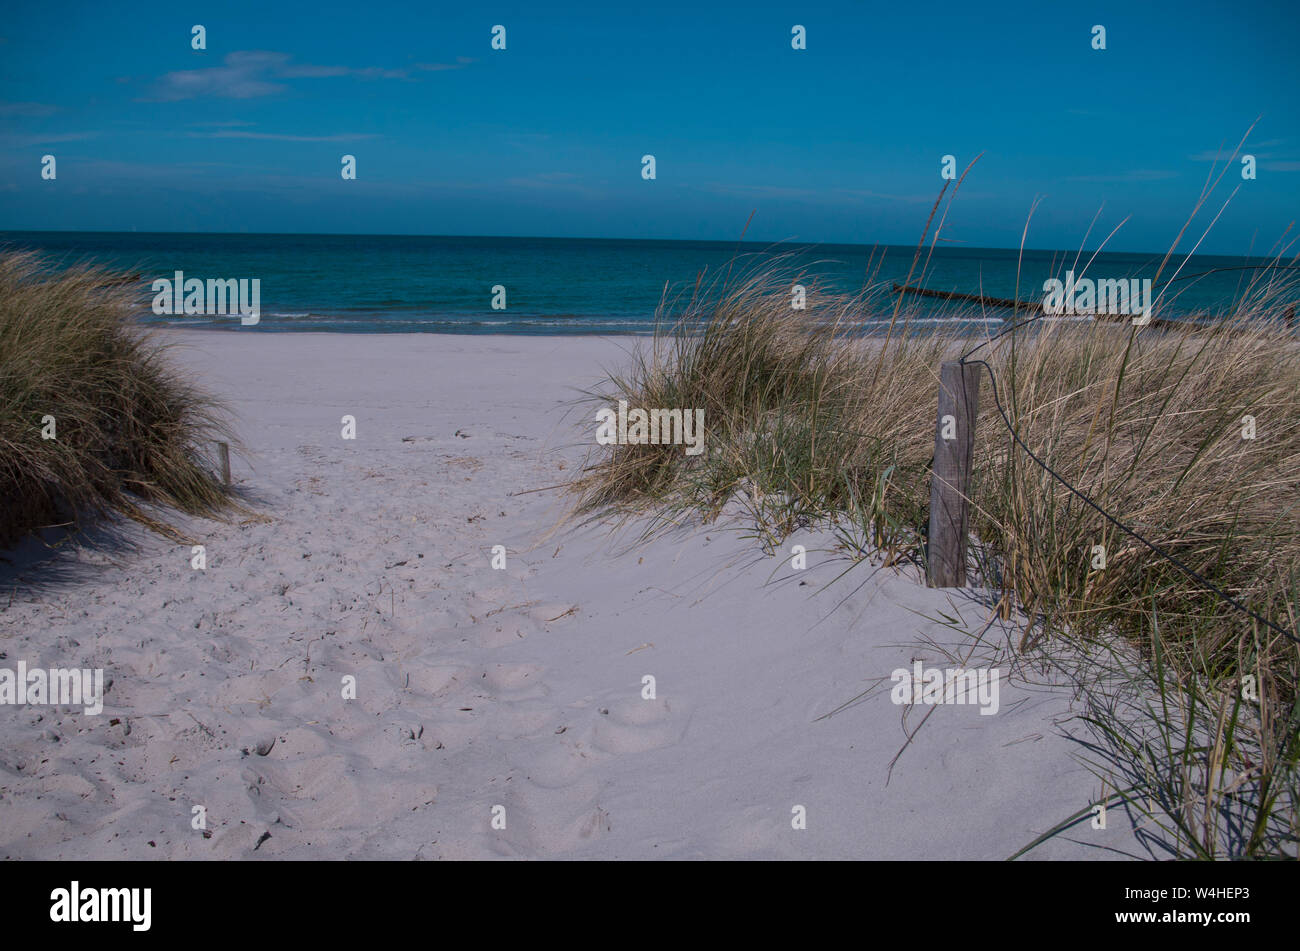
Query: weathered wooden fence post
[
  {"x": 954, "y": 447},
  {"x": 223, "y": 449}
]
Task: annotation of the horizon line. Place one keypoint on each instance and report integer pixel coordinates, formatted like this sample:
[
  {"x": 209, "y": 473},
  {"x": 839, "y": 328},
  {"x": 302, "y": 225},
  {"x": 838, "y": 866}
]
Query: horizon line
[{"x": 789, "y": 242}]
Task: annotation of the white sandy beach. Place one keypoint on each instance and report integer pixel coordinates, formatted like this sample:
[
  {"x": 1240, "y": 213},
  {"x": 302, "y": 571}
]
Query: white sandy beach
[{"x": 477, "y": 688}]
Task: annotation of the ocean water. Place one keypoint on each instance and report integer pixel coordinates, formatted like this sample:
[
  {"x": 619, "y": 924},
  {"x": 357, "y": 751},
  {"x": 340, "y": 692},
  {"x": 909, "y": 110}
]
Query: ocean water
[{"x": 399, "y": 283}]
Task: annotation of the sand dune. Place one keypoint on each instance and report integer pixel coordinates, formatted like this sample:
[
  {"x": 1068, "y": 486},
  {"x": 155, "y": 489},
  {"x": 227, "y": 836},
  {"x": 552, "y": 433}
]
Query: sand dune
[{"x": 477, "y": 688}]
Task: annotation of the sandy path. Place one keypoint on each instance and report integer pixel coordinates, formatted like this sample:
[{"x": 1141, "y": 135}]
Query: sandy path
[{"x": 476, "y": 688}]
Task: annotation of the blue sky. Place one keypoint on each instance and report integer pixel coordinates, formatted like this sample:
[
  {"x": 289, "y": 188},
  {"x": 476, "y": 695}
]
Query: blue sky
[{"x": 840, "y": 142}]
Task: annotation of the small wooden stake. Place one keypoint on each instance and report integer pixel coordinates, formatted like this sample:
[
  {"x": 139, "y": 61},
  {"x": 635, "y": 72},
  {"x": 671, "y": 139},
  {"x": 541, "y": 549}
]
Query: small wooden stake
[
  {"x": 223, "y": 449},
  {"x": 959, "y": 397}
]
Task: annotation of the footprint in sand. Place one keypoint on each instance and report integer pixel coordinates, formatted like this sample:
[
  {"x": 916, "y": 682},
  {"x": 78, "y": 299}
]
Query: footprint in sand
[
  {"x": 512, "y": 677},
  {"x": 551, "y": 821},
  {"x": 562, "y": 763},
  {"x": 637, "y": 726},
  {"x": 502, "y": 631},
  {"x": 433, "y": 681},
  {"x": 330, "y": 792},
  {"x": 522, "y": 718}
]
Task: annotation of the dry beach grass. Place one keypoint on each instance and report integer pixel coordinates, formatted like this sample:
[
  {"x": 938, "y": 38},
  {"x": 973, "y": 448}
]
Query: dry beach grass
[
  {"x": 126, "y": 427},
  {"x": 808, "y": 423}
]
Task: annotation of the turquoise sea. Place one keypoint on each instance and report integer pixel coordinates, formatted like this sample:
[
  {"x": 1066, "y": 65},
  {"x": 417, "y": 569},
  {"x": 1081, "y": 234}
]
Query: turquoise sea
[{"x": 402, "y": 283}]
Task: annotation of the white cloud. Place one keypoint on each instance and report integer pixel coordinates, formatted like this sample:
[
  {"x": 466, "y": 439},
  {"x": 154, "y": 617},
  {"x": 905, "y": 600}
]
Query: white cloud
[
  {"x": 251, "y": 74},
  {"x": 235, "y": 134}
]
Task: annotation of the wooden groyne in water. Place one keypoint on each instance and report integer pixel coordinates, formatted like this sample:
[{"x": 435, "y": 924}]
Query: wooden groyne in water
[
  {"x": 974, "y": 298},
  {"x": 1018, "y": 305}
]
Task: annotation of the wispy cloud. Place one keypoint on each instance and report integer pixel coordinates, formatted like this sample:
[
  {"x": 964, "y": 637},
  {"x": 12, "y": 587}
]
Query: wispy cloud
[
  {"x": 1250, "y": 148},
  {"x": 883, "y": 196},
  {"x": 1210, "y": 155},
  {"x": 1272, "y": 161},
  {"x": 277, "y": 137},
  {"x": 778, "y": 192},
  {"x": 325, "y": 72},
  {"x": 26, "y": 109},
  {"x": 557, "y": 182},
  {"x": 1131, "y": 176},
  {"x": 250, "y": 74},
  {"x": 242, "y": 77},
  {"x": 306, "y": 71},
  {"x": 461, "y": 63},
  {"x": 52, "y": 138}
]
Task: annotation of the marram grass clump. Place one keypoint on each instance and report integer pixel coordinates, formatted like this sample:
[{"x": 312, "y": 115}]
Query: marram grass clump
[
  {"x": 809, "y": 422},
  {"x": 803, "y": 419},
  {"x": 126, "y": 427}
]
